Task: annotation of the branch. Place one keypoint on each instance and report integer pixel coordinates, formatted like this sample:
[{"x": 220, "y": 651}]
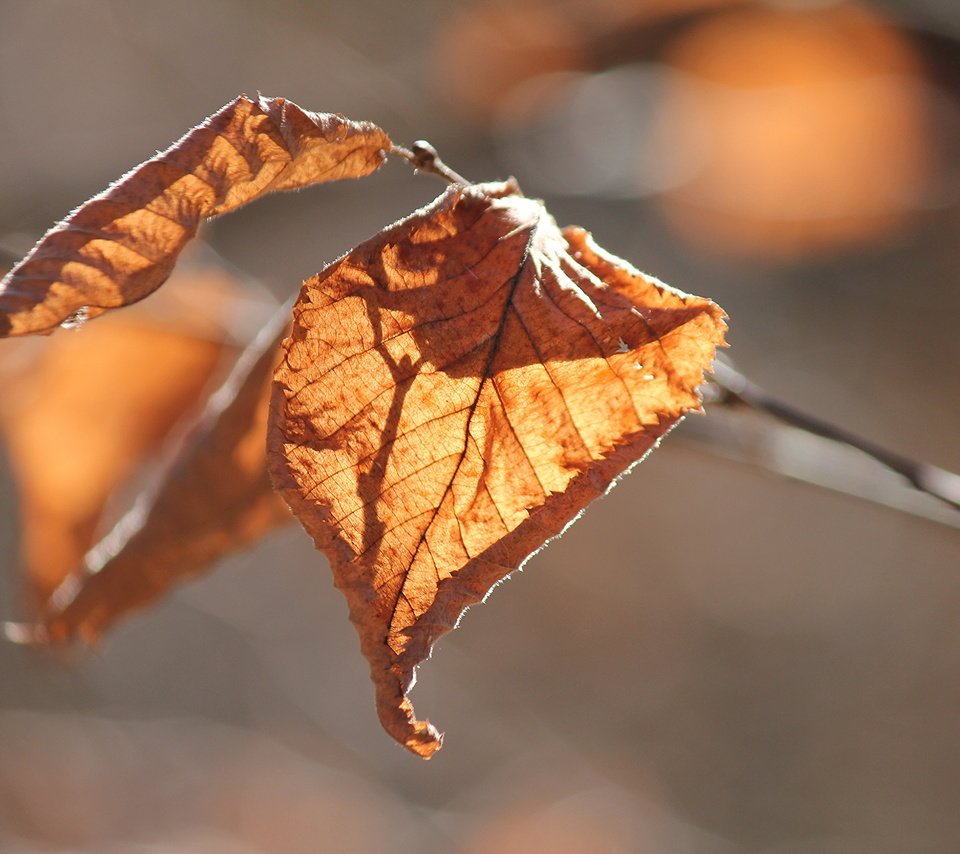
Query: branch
[
  {"x": 734, "y": 391},
  {"x": 424, "y": 158}
]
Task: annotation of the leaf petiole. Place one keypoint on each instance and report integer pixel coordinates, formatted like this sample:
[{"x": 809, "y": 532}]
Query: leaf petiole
[{"x": 424, "y": 158}]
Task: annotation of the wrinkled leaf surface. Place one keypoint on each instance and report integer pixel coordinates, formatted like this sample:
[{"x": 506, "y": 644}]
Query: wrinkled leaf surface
[
  {"x": 452, "y": 394},
  {"x": 121, "y": 245}
]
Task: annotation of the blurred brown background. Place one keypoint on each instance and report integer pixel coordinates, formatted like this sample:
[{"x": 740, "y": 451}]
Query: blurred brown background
[{"x": 714, "y": 659}]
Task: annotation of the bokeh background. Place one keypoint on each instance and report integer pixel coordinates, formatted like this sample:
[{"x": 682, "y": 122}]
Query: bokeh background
[{"x": 714, "y": 659}]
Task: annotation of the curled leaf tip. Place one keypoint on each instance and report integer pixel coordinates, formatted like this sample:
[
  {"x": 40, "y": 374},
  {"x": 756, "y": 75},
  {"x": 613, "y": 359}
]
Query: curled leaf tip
[{"x": 399, "y": 721}]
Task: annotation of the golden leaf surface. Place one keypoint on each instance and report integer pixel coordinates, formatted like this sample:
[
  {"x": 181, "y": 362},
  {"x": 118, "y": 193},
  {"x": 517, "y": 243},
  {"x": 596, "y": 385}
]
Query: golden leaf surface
[
  {"x": 121, "y": 245},
  {"x": 452, "y": 394},
  {"x": 216, "y": 498}
]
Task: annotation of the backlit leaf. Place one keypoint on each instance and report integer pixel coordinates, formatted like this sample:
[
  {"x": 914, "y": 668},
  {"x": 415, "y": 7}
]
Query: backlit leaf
[
  {"x": 453, "y": 393},
  {"x": 121, "y": 245}
]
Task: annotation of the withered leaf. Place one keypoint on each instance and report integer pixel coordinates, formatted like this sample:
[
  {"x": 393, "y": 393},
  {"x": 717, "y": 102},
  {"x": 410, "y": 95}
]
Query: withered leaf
[
  {"x": 215, "y": 499},
  {"x": 81, "y": 413},
  {"x": 121, "y": 245},
  {"x": 452, "y": 394}
]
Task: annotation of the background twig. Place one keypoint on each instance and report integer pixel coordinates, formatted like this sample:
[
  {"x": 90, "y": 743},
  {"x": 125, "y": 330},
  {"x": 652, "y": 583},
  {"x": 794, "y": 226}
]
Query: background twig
[{"x": 800, "y": 445}]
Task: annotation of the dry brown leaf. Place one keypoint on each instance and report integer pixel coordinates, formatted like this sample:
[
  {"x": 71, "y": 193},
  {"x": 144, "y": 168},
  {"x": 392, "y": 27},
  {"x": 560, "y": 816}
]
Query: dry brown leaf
[
  {"x": 453, "y": 393},
  {"x": 121, "y": 245},
  {"x": 215, "y": 499},
  {"x": 81, "y": 412}
]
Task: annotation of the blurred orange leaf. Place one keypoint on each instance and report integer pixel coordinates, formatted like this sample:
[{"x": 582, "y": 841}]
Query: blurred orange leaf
[
  {"x": 121, "y": 245},
  {"x": 72, "y": 438},
  {"x": 215, "y": 498},
  {"x": 813, "y": 127},
  {"x": 452, "y": 394}
]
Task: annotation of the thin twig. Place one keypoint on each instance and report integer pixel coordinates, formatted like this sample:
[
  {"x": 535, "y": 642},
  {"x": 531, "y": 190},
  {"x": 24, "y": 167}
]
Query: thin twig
[
  {"x": 736, "y": 390},
  {"x": 424, "y": 158}
]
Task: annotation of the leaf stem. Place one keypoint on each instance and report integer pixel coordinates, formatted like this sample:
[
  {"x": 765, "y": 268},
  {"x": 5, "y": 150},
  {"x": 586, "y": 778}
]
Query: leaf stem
[
  {"x": 424, "y": 158},
  {"x": 735, "y": 390}
]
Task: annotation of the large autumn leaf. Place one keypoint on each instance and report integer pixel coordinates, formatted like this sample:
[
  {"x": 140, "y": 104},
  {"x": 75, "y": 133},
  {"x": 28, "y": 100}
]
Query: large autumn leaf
[
  {"x": 452, "y": 394},
  {"x": 216, "y": 498},
  {"x": 121, "y": 245}
]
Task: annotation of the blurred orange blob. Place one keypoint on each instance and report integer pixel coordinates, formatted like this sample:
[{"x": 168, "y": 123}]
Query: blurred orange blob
[
  {"x": 813, "y": 130},
  {"x": 489, "y": 49},
  {"x": 82, "y": 410},
  {"x": 486, "y": 51}
]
